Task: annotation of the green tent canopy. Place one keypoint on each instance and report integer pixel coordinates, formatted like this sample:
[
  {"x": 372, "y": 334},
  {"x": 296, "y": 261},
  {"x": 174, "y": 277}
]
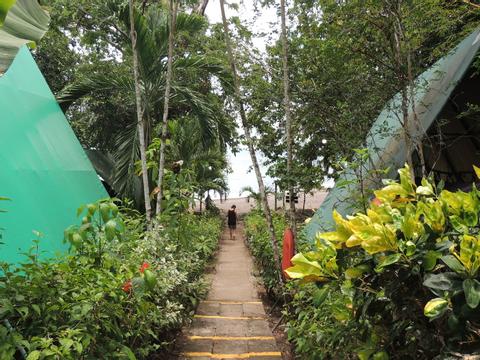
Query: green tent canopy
[
  {"x": 43, "y": 168},
  {"x": 385, "y": 144}
]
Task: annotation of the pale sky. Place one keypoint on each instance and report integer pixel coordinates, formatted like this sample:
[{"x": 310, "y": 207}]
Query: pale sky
[{"x": 265, "y": 23}]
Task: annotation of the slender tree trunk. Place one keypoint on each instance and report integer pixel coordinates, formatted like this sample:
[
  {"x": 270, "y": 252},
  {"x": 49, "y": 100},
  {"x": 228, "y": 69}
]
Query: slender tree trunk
[
  {"x": 251, "y": 149},
  {"x": 288, "y": 113},
  {"x": 275, "y": 200},
  {"x": 200, "y": 9},
  {"x": 304, "y": 200},
  {"x": 403, "y": 79},
  {"x": 140, "y": 121},
  {"x": 418, "y": 139},
  {"x": 168, "y": 84}
]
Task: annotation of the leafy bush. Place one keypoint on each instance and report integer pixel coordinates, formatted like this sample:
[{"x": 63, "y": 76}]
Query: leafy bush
[
  {"x": 258, "y": 240},
  {"x": 401, "y": 279},
  {"x": 119, "y": 293}
]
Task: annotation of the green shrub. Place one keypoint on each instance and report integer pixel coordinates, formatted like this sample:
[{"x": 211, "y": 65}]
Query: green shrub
[
  {"x": 258, "y": 240},
  {"x": 404, "y": 275},
  {"x": 119, "y": 293}
]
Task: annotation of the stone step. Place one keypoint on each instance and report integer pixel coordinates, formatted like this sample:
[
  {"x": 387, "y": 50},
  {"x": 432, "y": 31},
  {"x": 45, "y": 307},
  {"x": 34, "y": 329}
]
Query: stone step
[{"x": 202, "y": 326}]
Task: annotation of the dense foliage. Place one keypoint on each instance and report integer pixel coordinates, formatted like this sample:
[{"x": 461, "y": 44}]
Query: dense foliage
[
  {"x": 87, "y": 61},
  {"x": 399, "y": 281},
  {"x": 261, "y": 248},
  {"x": 119, "y": 293},
  {"x": 344, "y": 67}
]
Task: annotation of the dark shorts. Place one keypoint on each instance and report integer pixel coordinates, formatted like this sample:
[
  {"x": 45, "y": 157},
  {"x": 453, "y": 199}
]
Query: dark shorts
[{"x": 232, "y": 226}]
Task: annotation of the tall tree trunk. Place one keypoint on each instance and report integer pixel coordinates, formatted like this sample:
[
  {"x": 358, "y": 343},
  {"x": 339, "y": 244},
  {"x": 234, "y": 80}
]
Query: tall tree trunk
[
  {"x": 168, "y": 84},
  {"x": 200, "y": 9},
  {"x": 288, "y": 114},
  {"x": 140, "y": 121},
  {"x": 251, "y": 149},
  {"x": 418, "y": 139},
  {"x": 275, "y": 199},
  {"x": 398, "y": 37}
]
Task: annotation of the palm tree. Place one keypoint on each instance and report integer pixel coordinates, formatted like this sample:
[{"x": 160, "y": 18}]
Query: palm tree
[
  {"x": 139, "y": 107},
  {"x": 187, "y": 98},
  {"x": 173, "y": 8}
]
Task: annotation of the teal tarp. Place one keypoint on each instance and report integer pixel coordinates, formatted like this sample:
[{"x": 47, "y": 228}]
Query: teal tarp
[
  {"x": 43, "y": 168},
  {"x": 384, "y": 140}
]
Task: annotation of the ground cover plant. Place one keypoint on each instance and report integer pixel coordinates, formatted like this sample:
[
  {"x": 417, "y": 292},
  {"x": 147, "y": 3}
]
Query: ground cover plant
[{"x": 119, "y": 293}]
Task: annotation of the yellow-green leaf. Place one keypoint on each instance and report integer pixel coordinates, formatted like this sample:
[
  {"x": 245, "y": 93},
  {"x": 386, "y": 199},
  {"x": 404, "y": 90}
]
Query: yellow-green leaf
[
  {"x": 5, "y": 5},
  {"x": 477, "y": 171},
  {"x": 435, "y": 308}
]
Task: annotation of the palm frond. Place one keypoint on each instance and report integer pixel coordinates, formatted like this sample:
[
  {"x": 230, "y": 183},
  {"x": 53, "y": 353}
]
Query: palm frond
[
  {"x": 126, "y": 182},
  {"x": 94, "y": 83}
]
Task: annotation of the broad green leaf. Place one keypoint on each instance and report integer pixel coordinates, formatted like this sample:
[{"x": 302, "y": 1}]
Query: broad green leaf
[
  {"x": 470, "y": 254},
  {"x": 66, "y": 343},
  {"x": 386, "y": 261},
  {"x": 378, "y": 238},
  {"x": 381, "y": 355},
  {"x": 320, "y": 295},
  {"x": 353, "y": 273},
  {"x": 5, "y": 5},
  {"x": 471, "y": 287},
  {"x": 105, "y": 212},
  {"x": 477, "y": 171},
  {"x": 406, "y": 178},
  {"x": 448, "y": 281},
  {"x": 410, "y": 248},
  {"x": 129, "y": 353},
  {"x": 430, "y": 259},
  {"x": 25, "y": 24},
  {"x": 303, "y": 268},
  {"x": 425, "y": 189},
  {"x": 150, "y": 279},
  {"x": 34, "y": 355},
  {"x": 110, "y": 229},
  {"x": 390, "y": 192},
  {"x": 458, "y": 224},
  {"x": 365, "y": 354},
  {"x": 453, "y": 263},
  {"x": 452, "y": 200},
  {"x": 435, "y": 308},
  {"x": 36, "y": 308}
]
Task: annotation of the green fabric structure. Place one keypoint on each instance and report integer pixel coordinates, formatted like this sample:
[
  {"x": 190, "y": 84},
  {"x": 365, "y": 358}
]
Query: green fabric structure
[
  {"x": 43, "y": 168},
  {"x": 384, "y": 141}
]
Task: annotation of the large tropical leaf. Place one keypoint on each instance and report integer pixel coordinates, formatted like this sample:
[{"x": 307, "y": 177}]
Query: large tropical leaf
[
  {"x": 25, "y": 23},
  {"x": 96, "y": 82},
  {"x": 5, "y": 5},
  {"x": 126, "y": 182}
]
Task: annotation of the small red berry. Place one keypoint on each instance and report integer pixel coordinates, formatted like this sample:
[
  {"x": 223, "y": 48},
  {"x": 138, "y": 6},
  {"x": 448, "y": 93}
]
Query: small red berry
[
  {"x": 144, "y": 266},
  {"x": 127, "y": 287}
]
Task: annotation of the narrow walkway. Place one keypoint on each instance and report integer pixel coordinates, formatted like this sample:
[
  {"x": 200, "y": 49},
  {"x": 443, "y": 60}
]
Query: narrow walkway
[{"x": 231, "y": 323}]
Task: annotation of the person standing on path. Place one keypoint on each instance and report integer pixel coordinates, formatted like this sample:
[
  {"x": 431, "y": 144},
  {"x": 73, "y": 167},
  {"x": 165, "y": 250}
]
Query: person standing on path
[{"x": 232, "y": 221}]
